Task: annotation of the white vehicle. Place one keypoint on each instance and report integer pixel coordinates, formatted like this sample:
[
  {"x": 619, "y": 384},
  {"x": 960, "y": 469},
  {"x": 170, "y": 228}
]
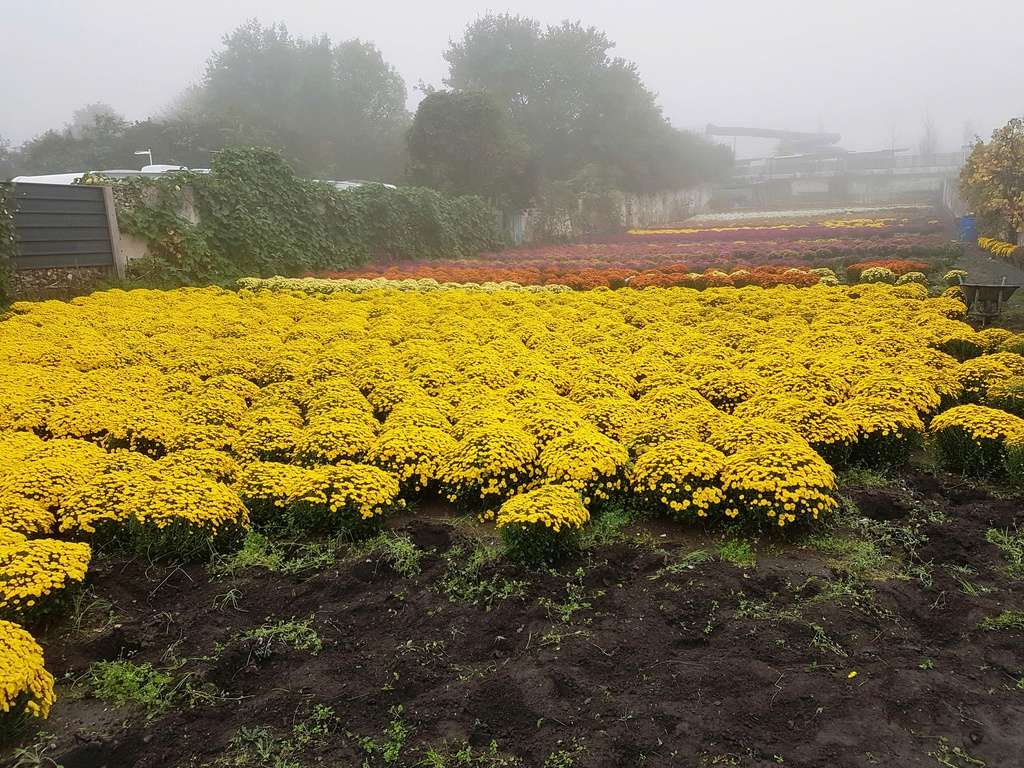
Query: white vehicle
[
  {"x": 354, "y": 183},
  {"x": 149, "y": 171}
]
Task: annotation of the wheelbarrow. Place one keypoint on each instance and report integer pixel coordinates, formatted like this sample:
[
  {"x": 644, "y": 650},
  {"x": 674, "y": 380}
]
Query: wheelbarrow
[{"x": 986, "y": 301}]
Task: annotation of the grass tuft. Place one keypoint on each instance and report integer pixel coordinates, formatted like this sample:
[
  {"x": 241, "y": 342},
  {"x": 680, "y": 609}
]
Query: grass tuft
[
  {"x": 125, "y": 683},
  {"x": 297, "y": 635},
  {"x": 739, "y": 553}
]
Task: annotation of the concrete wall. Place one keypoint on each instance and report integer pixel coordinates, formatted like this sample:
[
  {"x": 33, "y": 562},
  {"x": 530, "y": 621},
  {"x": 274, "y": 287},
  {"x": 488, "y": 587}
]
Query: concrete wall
[
  {"x": 636, "y": 212},
  {"x": 663, "y": 208}
]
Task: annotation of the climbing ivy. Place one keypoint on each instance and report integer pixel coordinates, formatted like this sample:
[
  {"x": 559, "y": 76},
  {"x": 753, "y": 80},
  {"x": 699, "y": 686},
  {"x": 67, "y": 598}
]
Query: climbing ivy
[
  {"x": 251, "y": 215},
  {"x": 7, "y": 252}
]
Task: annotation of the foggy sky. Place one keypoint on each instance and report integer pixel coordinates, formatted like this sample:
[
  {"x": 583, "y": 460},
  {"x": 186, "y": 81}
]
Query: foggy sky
[{"x": 870, "y": 70}]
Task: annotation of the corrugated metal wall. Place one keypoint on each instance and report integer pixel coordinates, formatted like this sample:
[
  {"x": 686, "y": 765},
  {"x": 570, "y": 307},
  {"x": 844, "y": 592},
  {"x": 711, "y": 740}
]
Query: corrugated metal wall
[{"x": 63, "y": 226}]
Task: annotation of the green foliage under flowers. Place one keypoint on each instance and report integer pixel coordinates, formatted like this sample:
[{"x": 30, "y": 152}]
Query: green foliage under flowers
[
  {"x": 256, "y": 217},
  {"x": 536, "y": 546},
  {"x": 959, "y": 452},
  {"x": 1014, "y": 459}
]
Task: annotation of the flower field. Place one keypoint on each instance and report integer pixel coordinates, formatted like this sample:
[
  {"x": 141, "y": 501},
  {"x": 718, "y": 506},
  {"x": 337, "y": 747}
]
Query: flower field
[
  {"x": 712, "y": 253},
  {"x": 162, "y": 418}
]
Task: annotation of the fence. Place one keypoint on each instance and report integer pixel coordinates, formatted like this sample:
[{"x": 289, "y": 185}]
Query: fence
[{"x": 65, "y": 226}]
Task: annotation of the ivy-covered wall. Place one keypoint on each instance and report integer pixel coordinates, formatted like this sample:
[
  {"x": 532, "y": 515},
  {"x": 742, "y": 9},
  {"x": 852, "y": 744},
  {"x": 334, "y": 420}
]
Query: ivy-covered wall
[
  {"x": 253, "y": 216},
  {"x": 6, "y": 242}
]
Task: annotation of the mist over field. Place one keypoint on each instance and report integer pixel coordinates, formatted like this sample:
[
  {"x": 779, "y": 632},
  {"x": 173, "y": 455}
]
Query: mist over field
[{"x": 874, "y": 71}]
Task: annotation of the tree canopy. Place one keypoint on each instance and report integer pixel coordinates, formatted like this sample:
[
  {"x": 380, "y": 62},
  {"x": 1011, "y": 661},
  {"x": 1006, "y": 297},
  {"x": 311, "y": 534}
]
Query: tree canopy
[
  {"x": 992, "y": 181},
  {"x": 463, "y": 143},
  {"x": 576, "y": 105},
  {"x": 335, "y": 110},
  {"x": 527, "y": 107}
]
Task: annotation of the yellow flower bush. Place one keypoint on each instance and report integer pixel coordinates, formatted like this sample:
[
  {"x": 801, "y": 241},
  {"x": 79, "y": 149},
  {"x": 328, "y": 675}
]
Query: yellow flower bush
[
  {"x": 887, "y": 430},
  {"x": 980, "y": 373},
  {"x": 489, "y": 463},
  {"x": 216, "y": 465},
  {"x": 24, "y": 681},
  {"x": 32, "y": 570},
  {"x": 343, "y": 496},
  {"x": 336, "y": 435},
  {"x": 730, "y": 434},
  {"x": 23, "y": 515},
  {"x": 190, "y": 500},
  {"x": 541, "y": 527},
  {"x": 587, "y": 461},
  {"x": 105, "y": 498},
  {"x": 781, "y": 483},
  {"x": 644, "y": 435},
  {"x": 1007, "y": 395},
  {"x": 411, "y": 453},
  {"x": 265, "y": 487},
  {"x": 997, "y": 247},
  {"x": 728, "y": 388},
  {"x": 828, "y": 430},
  {"x": 972, "y": 438},
  {"x": 681, "y": 477},
  {"x": 51, "y": 474},
  {"x": 274, "y": 440}
]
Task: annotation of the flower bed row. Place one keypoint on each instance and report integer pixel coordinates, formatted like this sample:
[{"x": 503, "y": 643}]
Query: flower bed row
[
  {"x": 165, "y": 420},
  {"x": 588, "y": 265},
  {"x": 840, "y": 228},
  {"x": 430, "y": 277},
  {"x": 640, "y": 254}
]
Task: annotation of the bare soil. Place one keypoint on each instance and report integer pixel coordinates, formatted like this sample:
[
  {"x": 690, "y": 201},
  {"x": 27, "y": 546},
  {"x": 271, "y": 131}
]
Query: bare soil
[{"x": 656, "y": 663}]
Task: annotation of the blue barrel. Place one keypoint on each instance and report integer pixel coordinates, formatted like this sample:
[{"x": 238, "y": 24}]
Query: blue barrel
[{"x": 968, "y": 229}]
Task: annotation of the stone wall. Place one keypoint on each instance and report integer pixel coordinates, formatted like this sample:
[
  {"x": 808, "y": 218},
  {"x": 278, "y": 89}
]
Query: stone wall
[
  {"x": 57, "y": 282},
  {"x": 663, "y": 208}
]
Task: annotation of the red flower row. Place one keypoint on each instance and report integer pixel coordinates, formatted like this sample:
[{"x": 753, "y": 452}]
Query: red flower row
[{"x": 898, "y": 266}]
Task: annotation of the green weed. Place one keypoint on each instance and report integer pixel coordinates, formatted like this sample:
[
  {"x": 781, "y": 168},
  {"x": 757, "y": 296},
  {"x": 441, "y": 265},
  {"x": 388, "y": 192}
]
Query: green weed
[
  {"x": 462, "y": 755},
  {"x": 464, "y": 581},
  {"x": 855, "y": 556},
  {"x": 34, "y": 755},
  {"x": 398, "y": 550},
  {"x": 687, "y": 562},
  {"x": 576, "y": 599},
  {"x": 765, "y": 610},
  {"x": 607, "y": 528},
  {"x": 1007, "y": 620},
  {"x": 297, "y": 635},
  {"x": 1011, "y": 544},
  {"x": 955, "y": 757},
  {"x": 564, "y": 758},
  {"x": 863, "y": 478},
  {"x": 259, "y": 551},
  {"x": 962, "y": 575},
  {"x": 737, "y": 552},
  {"x": 261, "y": 747},
  {"x": 388, "y": 749},
  {"x": 125, "y": 683},
  {"x": 823, "y": 642}
]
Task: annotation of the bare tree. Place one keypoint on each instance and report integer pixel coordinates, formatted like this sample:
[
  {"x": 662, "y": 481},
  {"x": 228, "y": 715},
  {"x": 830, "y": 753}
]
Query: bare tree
[{"x": 929, "y": 144}]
